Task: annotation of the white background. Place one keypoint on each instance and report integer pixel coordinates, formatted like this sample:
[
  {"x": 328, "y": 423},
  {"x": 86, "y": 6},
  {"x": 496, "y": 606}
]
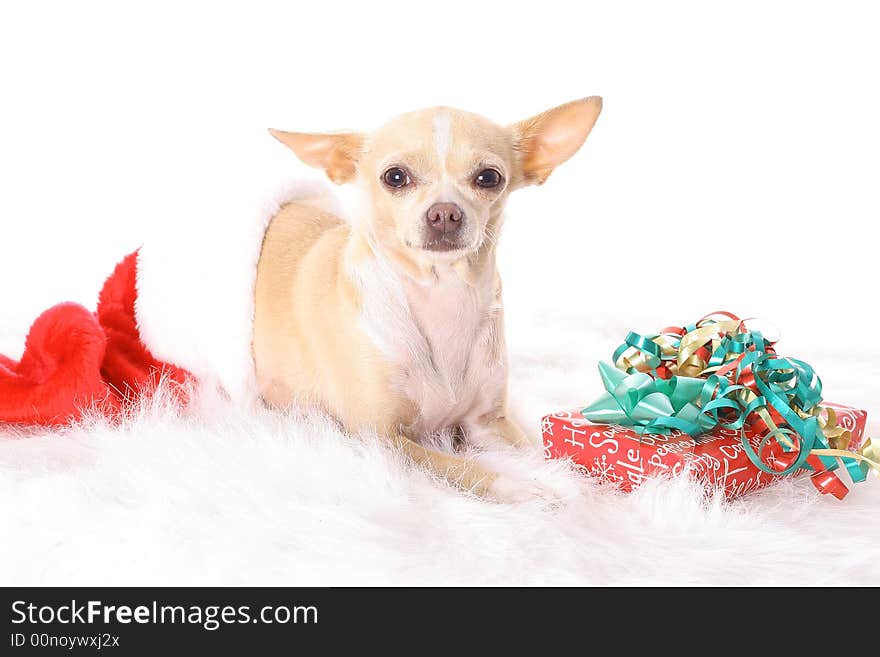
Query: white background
[{"x": 736, "y": 163}]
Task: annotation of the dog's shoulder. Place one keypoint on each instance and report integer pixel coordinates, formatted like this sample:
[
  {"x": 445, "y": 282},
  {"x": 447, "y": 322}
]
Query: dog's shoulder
[
  {"x": 298, "y": 225},
  {"x": 292, "y": 233}
]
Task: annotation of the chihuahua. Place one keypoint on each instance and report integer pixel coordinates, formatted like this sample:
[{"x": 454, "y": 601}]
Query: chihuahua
[{"x": 392, "y": 321}]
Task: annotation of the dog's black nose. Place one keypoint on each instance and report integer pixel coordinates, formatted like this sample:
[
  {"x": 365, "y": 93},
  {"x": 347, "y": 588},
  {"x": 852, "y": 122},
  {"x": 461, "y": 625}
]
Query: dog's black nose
[{"x": 444, "y": 218}]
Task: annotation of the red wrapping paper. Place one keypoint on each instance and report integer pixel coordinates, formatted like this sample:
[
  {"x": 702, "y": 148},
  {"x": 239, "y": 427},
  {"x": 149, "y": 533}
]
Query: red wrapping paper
[{"x": 717, "y": 458}]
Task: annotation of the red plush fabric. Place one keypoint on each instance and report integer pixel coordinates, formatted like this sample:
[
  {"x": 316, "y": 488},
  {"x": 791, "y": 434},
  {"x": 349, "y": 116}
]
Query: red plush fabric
[
  {"x": 75, "y": 359},
  {"x": 60, "y": 371},
  {"x": 128, "y": 365}
]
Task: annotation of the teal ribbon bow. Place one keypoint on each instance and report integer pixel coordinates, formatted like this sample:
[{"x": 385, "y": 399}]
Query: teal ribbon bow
[{"x": 648, "y": 404}]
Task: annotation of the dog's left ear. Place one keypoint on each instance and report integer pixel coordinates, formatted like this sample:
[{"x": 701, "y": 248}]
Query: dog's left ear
[
  {"x": 547, "y": 140},
  {"x": 336, "y": 153}
]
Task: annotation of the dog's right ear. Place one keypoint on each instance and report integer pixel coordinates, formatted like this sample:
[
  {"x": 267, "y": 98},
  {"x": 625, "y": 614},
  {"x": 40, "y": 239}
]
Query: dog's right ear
[{"x": 336, "y": 153}]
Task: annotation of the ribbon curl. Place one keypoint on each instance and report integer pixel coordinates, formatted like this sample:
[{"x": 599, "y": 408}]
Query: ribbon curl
[{"x": 718, "y": 373}]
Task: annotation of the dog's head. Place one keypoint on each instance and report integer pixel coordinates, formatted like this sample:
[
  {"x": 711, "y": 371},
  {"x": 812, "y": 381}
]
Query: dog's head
[{"x": 437, "y": 179}]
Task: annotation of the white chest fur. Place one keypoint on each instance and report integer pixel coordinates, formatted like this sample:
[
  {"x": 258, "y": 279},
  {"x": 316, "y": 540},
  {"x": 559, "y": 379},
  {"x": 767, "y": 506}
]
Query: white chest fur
[{"x": 442, "y": 339}]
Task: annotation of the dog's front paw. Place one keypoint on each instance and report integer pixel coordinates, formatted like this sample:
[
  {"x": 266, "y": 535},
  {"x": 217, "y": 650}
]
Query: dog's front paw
[{"x": 511, "y": 489}]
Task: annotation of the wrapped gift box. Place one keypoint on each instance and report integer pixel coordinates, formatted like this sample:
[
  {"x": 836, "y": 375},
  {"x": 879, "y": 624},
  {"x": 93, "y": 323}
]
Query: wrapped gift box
[{"x": 619, "y": 455}]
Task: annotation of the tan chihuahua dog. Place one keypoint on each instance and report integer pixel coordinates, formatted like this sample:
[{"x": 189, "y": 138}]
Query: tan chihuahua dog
[{"x": 393, "y": 322}]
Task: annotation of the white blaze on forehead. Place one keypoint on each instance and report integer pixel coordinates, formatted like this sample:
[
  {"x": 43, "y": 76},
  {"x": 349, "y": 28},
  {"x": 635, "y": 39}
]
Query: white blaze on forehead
[{"x": 442, "y": 134}]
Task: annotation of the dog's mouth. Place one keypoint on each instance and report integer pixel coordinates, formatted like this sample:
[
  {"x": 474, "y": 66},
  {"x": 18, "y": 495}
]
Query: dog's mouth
[
  {"x": 442, "y": 244},
  {"x": 438, "y": 244}
]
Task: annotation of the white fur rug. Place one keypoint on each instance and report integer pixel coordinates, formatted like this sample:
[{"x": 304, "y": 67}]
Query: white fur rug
[{"x": 225, "y": 497}]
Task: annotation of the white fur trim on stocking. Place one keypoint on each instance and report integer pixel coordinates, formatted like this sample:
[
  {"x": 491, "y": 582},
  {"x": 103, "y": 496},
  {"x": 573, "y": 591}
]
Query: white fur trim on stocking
[{"x": 195, "y": 284}]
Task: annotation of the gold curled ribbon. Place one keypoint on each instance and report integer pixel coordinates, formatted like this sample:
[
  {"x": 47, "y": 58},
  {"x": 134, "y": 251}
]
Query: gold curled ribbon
[
  {"x": 838, "y": 437},
  {"x": 698, "y": 337},
  {"x": 840, "y": 440},
  {"x": 869, "y": 454},
  {"x": 634, "y": 359}
]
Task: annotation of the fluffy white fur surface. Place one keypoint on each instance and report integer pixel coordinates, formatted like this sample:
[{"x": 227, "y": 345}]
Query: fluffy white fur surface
[{"x": 220, "y": 495}]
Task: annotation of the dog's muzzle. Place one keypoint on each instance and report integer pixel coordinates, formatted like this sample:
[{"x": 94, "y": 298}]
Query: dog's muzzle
[{"x": 443, "y": 227}]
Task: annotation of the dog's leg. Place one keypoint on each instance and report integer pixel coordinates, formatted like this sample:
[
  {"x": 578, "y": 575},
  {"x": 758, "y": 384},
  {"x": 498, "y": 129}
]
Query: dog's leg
[
  {"x": 488, "y": 432},
  {"x": 467, "y": 474},
  {"x": 509, "y": 432},
  {"x": 457, "y": 470}
]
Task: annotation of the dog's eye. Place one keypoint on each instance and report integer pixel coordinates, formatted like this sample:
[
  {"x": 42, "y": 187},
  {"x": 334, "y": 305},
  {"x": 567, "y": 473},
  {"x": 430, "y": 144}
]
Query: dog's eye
[
  {"x": 396, "y": 177},
  {"x": 488, "y": 178}
]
